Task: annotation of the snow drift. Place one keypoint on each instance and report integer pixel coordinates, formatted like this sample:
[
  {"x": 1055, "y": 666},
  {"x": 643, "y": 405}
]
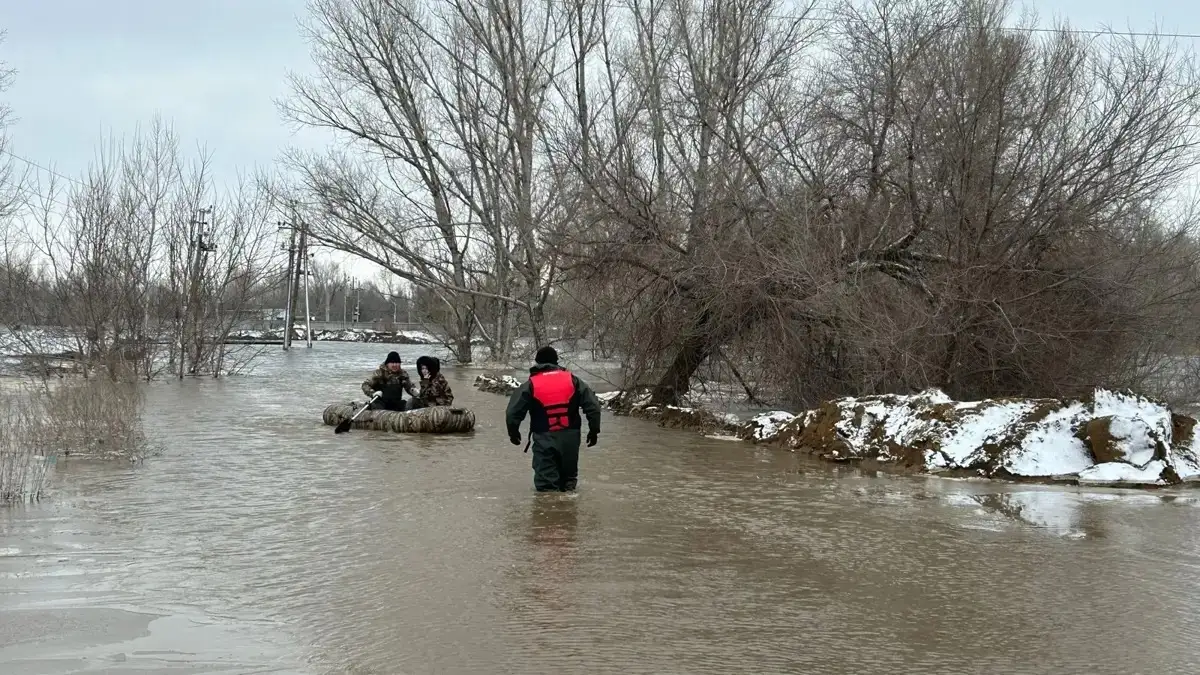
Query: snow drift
[{"x": 1109, "y": 438}]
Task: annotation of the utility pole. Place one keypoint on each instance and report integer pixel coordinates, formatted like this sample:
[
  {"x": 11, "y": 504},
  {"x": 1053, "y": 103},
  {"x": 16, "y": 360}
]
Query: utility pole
[
  {"x": 199, "y": 247},
  {"x": 297, "y": 264},
  {"x": 291, "y": 269},
  {"x": 295, "y": 281},
  {"x": 357, "y": 301},
  {"x": 307, "y": 310}
]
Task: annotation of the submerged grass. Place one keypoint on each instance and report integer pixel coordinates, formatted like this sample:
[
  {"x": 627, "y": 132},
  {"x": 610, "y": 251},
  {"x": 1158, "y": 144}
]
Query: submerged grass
[
  {"x": 41, "y": 422},
  {"x": 24, "y": 471}
]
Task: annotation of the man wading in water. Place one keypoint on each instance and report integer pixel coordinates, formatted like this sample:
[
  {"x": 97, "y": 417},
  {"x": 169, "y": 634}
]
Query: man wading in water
[
  {"x": 391, "y": 381},
  {"x": 553, "y": 396}
]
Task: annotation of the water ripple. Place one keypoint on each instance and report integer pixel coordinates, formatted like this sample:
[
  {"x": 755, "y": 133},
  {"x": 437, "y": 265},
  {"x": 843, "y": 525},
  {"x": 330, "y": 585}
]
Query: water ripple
[{"x": 369, "y": 553}]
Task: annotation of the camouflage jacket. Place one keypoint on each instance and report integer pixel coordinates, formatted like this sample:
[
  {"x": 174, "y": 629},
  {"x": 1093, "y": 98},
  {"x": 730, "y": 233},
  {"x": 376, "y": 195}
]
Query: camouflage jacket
[
  {"x": 436, "y": 391},
  {"x": 383, "y": 378}
]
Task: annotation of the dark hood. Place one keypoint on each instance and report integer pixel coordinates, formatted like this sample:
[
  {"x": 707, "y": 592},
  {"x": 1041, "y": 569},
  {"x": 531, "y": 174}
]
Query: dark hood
[
  {"x": 544, "y": 368},
  {"x": 430, "y": 362}
]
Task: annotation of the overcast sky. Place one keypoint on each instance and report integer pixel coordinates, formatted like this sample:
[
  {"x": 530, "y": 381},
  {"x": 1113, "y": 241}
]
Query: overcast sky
[{"x": 213, "y": 67}]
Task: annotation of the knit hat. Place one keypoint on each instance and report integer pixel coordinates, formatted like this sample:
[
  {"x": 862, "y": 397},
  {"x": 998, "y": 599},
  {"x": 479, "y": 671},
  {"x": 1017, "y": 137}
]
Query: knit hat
[
  {"x": 392, "y": 357},
  {"x": 546, "y": 354}
]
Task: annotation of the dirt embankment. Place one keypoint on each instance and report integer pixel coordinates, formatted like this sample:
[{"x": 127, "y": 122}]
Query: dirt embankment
[{"x": 1108, "y": 438}]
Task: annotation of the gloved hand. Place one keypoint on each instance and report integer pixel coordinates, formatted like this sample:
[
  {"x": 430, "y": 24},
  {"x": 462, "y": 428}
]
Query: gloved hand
[
  {"x": 591, "y": 438},
  {"x": 376, "y": 395},
  {"x": 515, "y": 438}
]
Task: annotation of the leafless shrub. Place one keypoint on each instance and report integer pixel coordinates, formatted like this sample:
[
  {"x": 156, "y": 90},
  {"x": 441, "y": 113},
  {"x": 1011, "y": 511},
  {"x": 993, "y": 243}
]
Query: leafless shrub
[
  {"x": 141, "y": 276},
  {"x": 79, "y": 418},
  {"x": 97, "y": 419},
  {"x": 24, "y": 470}
]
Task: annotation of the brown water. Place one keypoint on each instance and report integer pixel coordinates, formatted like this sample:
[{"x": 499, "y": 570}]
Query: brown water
[{"x": 261, "y": 542}]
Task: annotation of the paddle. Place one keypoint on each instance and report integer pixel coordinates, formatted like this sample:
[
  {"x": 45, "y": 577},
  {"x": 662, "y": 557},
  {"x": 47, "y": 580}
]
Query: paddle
[{"x": 344, "y": 425}]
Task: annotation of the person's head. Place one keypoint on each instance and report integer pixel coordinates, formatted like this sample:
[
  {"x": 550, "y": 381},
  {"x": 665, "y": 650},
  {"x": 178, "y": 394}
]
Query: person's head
[
  {"x": 392, "y": 362},
  {"x": 428, "y": 366},
  {"x": 546, "y": 355}
]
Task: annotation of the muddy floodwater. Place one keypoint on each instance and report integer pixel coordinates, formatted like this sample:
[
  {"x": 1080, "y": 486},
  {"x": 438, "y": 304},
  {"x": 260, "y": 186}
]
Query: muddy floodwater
[{"x": 260, "y": 542}]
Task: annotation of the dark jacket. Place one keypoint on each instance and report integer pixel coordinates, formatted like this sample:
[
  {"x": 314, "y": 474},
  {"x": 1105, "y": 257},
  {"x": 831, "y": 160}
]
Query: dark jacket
[
  {"x": 435, "y": 390},
  {"x": 391, "y": 384},
  {"x": 521, "y": 402}
]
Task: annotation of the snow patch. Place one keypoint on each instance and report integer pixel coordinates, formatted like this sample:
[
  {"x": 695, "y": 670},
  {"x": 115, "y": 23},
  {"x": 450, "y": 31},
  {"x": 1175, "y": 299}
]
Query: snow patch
[
  {"x": 723, "y": 437},
  {"x": 768, "y": 425},
  {"x": 1110, "y": 473},
  {"x": 1050, "y": 448}
]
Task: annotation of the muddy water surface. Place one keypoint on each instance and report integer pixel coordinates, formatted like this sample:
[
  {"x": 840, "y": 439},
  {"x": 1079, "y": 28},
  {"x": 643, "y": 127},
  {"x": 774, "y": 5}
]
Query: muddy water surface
[{"x": 261, "y": 542}]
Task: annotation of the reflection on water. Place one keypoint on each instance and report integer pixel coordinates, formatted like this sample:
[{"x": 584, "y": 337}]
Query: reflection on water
[
  {"x": 261, "y": 542},
  {"x": 553, "y": 527}
]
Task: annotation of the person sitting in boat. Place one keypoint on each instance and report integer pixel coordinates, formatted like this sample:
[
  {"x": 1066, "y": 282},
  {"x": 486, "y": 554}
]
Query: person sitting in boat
[
  {"x": 435, "y": 390},
  {"x": 391, "y": 381}
]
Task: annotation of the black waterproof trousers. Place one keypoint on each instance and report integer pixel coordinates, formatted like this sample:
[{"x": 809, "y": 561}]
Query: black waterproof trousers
[{"x": 556, "y": 460}]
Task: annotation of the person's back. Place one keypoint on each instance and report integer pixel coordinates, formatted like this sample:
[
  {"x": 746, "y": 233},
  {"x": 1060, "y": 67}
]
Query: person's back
[{"x": 553, "y": 397}]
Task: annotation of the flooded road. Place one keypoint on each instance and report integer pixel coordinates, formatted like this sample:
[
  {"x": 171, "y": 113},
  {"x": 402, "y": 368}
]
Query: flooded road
[{"x": 259, "y": 541}]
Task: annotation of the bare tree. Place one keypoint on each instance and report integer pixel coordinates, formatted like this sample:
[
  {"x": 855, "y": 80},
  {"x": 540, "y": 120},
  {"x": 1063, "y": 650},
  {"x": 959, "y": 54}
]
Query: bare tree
[
  {"x": 328, "y": 280},
  {"x": 136, "y": 265},
  {"x": 12, "y": 181},
  {"x": 449, "y": 186},
  {"x": 682, "y": 181},
  {"x": 939, "y": 200},
  {"x": 930, "y": 198}
]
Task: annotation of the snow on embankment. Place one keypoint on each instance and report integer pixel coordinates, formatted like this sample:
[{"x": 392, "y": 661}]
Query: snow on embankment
[
  {"x": 497, "y": 384},
  {"x": 1109, "y": 438},
  {"x": 404, "y": 337}
]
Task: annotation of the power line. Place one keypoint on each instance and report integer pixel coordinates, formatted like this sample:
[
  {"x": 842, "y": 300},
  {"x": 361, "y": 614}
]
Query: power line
[
  {"x": 828, "y": 17},
  {"x": 48, "y": 170}
]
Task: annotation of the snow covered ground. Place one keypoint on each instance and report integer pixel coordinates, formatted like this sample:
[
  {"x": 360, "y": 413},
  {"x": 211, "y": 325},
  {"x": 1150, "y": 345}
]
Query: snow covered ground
[
  {"x": 35, "y": 341},
  {"x": 410, "y": 337},
  {"x": 1109, "y": 439},
  {"x": 41, "y": 342}
]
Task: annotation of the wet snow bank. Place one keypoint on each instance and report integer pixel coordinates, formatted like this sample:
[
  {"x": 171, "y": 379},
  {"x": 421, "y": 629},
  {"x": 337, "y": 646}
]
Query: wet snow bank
[
  {"x": 404, "y": 337},
  {"x": 1110, "y": 438},
  {"x": 497, "y": 384}
]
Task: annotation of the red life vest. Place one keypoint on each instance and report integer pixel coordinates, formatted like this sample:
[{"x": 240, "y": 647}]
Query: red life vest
[{"x": 553, "y": 390}]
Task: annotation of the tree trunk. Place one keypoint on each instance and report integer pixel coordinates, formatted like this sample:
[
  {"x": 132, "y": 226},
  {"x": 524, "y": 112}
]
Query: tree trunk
[
  {"x": 693, "y": 350},
  {"x": 462, "y": 341},
  {"x": 462, "y": 349},
  {"x": 537, "y": 325}
]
